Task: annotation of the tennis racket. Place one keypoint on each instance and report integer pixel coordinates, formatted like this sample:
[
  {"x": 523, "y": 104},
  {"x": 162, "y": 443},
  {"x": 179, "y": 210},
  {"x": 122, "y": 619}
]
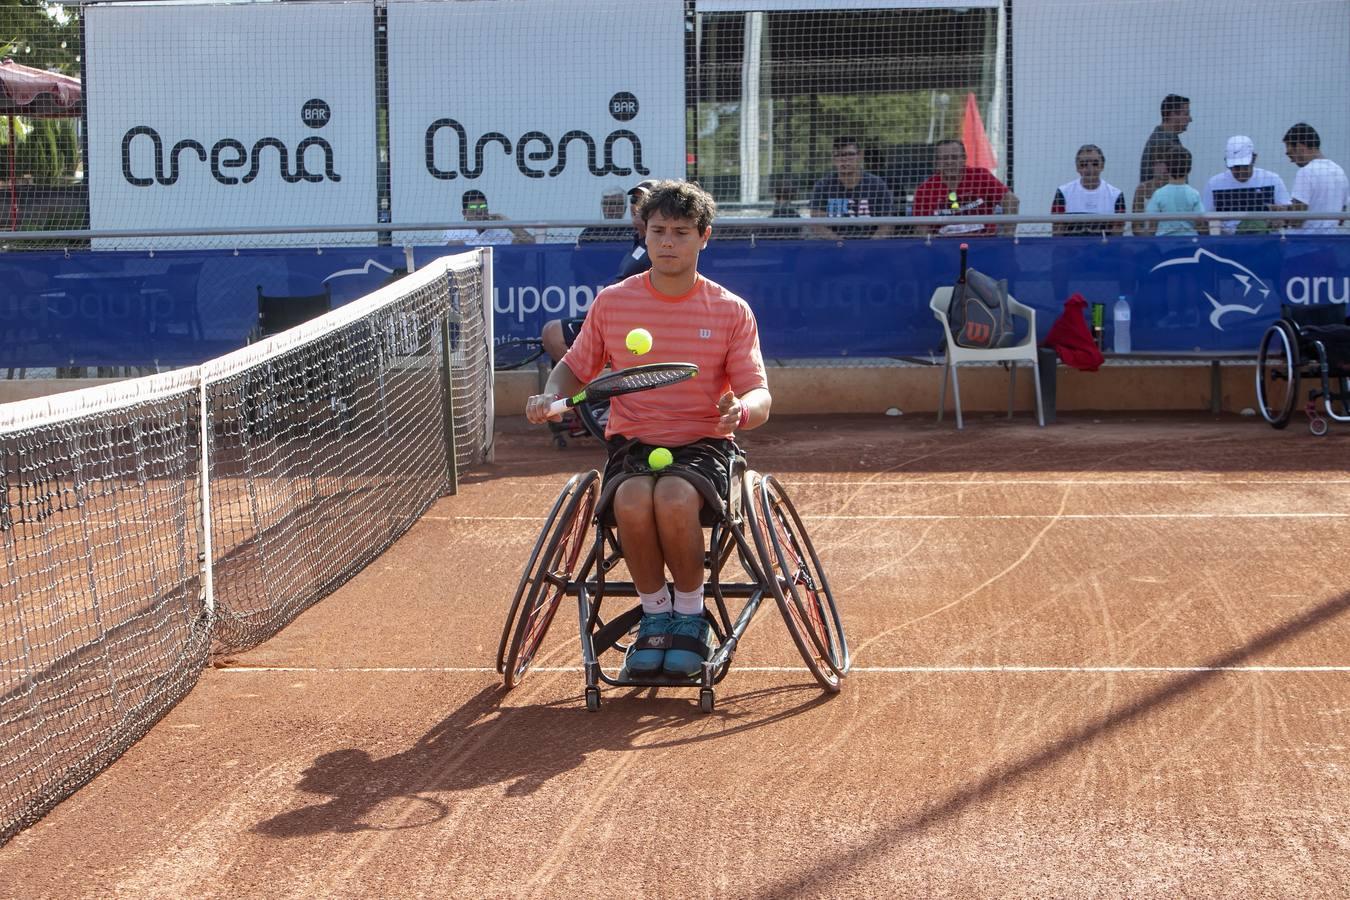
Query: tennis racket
[
  {"x": 627, "y": 381},
  {"x": 514, "y": 354}
]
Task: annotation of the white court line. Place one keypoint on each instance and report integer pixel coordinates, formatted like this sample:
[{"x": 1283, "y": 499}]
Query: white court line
[
  {"x": 924, "y": 516},
  {"x": 1217, "y": 481},
  {"x": 864, "y": 670}
]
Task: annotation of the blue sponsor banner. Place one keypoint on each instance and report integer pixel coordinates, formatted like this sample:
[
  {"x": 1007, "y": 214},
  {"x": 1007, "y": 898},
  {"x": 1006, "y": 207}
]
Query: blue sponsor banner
[
  {"x": 870, "y": 298},
  {"x": 103, "y": 308},
  {"x": 812, "y": 298}
]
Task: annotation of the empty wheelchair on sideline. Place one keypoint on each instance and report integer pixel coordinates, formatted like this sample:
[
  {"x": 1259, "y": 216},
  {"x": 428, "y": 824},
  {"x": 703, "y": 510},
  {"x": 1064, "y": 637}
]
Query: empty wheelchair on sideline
[
  {"x": 1306, "y": 342},
  {"x": 754, "y": 534}
]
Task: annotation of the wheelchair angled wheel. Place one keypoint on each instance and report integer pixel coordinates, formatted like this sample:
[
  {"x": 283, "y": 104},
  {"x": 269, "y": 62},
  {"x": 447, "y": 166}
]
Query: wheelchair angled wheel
[
  {"x": 1277, "y": 373},
  {"x": 797, "y": 580},
  {"x": 594, "y": 416},
  {"x": 552, "y": 564},
  {"x": 516, "y": 354}
]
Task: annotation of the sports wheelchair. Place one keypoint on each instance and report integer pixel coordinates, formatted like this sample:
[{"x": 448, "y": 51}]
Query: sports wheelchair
[
  {"x": 1310, "y": 342},
  {"x": 756, "y": 528}
]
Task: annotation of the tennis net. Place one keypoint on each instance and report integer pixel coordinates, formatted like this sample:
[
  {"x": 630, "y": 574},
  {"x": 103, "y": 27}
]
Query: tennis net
[{"x": 147, "y": 523}]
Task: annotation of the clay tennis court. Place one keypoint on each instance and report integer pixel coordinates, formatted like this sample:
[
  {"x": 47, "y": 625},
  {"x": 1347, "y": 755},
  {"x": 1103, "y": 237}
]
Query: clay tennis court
[{"x": 1106, "y": 658}]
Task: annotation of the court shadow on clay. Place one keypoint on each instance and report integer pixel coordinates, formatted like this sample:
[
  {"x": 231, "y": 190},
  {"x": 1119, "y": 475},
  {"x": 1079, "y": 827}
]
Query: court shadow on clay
[
  {"x": 818, "y": 880},
  {"x": 485, "y": 743}
]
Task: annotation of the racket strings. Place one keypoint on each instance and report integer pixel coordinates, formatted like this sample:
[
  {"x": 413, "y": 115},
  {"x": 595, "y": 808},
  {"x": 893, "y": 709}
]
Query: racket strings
[
  {"x": 648, "y": 379},
  {"x": 641, "y": 378}
]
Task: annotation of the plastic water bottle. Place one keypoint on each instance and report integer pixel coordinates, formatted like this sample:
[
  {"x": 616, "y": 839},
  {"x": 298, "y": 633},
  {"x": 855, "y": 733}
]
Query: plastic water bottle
[{"x": 1120, "y": 320}]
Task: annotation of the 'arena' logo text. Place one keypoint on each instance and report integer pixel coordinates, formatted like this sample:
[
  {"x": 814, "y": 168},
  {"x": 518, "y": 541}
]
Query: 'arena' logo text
[
  {"x": 538, "y": 147},
  {"x": 229, "y": 153}
]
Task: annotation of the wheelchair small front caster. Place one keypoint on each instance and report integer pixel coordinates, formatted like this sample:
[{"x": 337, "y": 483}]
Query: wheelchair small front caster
[
  {"x": 1318, "y": 426},
  {"x": 592, "y": 699},
  {"x": 706, "y": 700}
]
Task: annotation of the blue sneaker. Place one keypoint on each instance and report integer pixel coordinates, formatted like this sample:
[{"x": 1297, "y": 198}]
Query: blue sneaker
[
  {"x": 689, "y": 637},
  {"x": 648, "y": 653}
]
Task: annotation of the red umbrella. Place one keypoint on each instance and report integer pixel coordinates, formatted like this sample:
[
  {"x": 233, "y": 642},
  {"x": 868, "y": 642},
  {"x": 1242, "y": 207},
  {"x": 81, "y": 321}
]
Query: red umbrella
[{"x": 38, "y": 94}]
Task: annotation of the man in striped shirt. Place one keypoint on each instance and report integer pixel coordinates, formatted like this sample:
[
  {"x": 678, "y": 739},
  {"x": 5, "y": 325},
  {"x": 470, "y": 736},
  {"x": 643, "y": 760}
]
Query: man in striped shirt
[{"x": 691, "y": 319}]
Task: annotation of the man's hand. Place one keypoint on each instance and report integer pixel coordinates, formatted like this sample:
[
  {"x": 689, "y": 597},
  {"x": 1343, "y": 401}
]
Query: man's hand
[
  {"x": 536, "y": 409},
  {"x": 729, "y": 410}
]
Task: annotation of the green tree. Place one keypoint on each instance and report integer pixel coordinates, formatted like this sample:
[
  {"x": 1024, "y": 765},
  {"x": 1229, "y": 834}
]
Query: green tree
[
  {"x": 41, "y": 35},
  {"x": 44, "y": 36},
  {"x": 49, "y": 153}
]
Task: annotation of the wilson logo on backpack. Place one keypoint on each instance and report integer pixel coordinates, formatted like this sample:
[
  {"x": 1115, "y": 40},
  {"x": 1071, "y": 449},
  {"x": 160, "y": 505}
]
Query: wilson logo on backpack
[{"x": 978, "y": 313}]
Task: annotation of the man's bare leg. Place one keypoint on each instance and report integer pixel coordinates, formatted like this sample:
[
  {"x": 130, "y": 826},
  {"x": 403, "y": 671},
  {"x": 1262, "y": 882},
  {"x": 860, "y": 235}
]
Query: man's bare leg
[
  {"x": 634, "y": 512},
  {"x": 677, "y": 504}
]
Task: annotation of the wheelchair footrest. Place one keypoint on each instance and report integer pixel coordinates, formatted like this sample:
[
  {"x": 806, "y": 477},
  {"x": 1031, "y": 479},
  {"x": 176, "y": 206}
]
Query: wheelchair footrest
[{"x": 657, "y": 679}]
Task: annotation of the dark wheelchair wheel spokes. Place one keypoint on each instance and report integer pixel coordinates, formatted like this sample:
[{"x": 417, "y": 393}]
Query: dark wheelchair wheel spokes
[
  {"x": 551, "y": 567},
  {"x": 1277, "y": 374},
  {"x": 797, "y": 581}
]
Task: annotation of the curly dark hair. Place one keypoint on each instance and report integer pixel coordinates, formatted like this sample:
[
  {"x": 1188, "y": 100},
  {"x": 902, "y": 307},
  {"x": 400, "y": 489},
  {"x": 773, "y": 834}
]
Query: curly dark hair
[{"x": 681, "y": 200}]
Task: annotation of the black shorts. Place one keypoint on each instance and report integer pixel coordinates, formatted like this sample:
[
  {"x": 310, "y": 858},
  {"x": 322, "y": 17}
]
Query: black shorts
[{"x": 709, "y": 457}]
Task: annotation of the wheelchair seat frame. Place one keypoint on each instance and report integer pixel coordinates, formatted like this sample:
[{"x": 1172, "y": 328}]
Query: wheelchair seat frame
[
  {"x": 1312, "y": 343},
  {"x": 777, "y": 558}
]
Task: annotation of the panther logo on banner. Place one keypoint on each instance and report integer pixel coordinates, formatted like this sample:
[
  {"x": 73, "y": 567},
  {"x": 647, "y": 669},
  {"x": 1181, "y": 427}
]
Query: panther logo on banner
[{"x": 1229, "y": 277}]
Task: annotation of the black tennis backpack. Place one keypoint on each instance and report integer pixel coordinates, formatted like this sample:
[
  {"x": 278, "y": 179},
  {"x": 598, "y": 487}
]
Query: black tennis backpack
[{"x": 979, "y": 314}]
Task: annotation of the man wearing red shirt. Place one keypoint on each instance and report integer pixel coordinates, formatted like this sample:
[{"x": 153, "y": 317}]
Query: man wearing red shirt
[{"x": 956, "y": 189}]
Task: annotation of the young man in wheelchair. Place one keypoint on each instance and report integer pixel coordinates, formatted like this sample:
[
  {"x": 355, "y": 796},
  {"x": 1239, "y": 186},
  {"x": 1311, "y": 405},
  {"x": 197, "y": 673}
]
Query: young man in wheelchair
[{"x": 691, "y": 319}]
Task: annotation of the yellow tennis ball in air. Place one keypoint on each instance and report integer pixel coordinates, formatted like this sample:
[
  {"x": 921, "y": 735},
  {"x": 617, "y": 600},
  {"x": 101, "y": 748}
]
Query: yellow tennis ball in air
[
  {"x": 659, "y": 458},
  {"x": 639, "y": 340}
]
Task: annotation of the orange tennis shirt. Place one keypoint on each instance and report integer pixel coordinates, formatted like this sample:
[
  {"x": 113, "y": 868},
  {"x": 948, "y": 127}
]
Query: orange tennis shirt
[{"x": 708, "y": 326}]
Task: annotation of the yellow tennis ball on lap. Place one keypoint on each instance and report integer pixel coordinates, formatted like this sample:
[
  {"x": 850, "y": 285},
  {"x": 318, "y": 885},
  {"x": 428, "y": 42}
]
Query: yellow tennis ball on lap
[
  {"x": 639, "y": 340},
  {"x": 659, "y": 458}
]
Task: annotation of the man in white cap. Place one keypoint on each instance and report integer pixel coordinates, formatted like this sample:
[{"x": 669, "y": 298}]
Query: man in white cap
[{"x": 1242, "y": 187}]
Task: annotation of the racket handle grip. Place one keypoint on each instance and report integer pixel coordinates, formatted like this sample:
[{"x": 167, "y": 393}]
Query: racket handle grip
[{"x": 559, "y": 406}]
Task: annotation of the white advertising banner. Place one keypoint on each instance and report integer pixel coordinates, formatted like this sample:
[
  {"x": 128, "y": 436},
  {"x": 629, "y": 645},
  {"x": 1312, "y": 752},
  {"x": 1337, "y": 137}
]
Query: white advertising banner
[
  {"x": 541, "y": 105},
  {"x": 244, "y": 116}
]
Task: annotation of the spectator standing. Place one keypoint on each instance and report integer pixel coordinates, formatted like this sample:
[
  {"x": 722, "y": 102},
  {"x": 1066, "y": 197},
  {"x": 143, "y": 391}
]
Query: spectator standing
[
  {"x": 1088, "y": 195},
  {"x": 1242, "y": 187},
  {"x": 612, "y": 206},
  {"x": 1177, "y": 196},
  {"x": 1176, "y": 116},
  {"x": 474, "y": 207},
  {"x": 955, "y": 189},
  {"x": 851, "y": 192},
  {"x": 1320, "y": 185}
]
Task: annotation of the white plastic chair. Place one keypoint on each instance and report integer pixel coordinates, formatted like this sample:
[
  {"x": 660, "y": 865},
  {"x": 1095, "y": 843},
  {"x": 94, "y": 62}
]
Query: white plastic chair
[{"x": 956, "y": 356}]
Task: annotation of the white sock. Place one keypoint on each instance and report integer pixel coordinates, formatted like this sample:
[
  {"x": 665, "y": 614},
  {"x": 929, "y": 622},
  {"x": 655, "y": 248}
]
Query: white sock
[
  {"x": 689, "y": 603},
  {"x": 655, "y": 602}
]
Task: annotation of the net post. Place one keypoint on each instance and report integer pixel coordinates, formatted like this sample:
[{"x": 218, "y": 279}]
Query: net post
[
  {"x": 489, "y": 335},
  {"x": 204, "y": 514},
  {"x": 448, "y": 402}
]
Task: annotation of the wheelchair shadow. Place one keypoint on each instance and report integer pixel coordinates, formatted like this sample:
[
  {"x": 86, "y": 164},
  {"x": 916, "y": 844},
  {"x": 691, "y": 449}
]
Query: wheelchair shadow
[{"x": 484, "y": 743}]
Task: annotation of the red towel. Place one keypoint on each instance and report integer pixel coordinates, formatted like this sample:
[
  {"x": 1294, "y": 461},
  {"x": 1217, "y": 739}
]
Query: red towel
[{"x": 1071, "y": 339}]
